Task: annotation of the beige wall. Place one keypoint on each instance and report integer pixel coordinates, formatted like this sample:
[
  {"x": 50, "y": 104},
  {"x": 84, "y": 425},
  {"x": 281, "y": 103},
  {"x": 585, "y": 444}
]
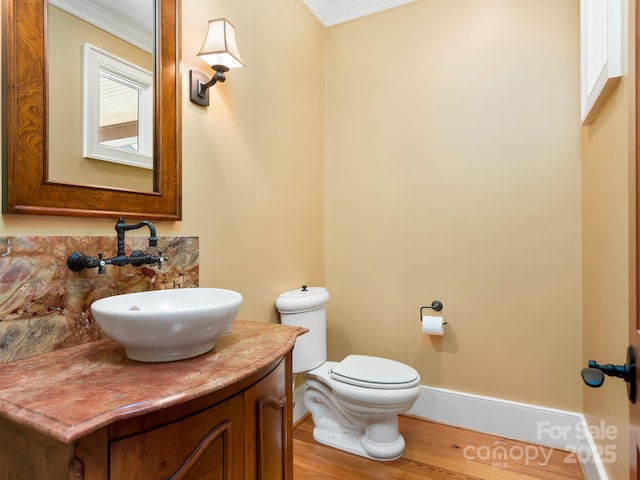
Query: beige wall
[
  {"x": 453, "y": 173},
  {"x": 608, "y": 172},
  {"x": 253, "y": 187}
]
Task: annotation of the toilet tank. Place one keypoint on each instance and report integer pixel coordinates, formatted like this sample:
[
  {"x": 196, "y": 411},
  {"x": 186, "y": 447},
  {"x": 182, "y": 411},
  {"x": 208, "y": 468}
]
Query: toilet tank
[{"x": 306, "y": 307}]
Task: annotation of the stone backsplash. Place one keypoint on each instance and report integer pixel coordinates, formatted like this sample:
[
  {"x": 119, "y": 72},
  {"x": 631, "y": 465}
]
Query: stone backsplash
[{"x": 45, "y": 306}]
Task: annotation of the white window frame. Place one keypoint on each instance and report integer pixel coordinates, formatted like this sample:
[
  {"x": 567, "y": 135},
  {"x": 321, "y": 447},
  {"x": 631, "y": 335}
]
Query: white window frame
[{"x": 96, "y": 60}]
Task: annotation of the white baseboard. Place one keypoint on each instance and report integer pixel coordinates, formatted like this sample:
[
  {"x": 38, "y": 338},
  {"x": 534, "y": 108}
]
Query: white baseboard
[{"x": 520, "y": 421}]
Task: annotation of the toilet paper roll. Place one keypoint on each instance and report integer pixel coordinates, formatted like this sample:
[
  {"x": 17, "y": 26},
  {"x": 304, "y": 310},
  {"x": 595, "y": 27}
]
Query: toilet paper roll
[{"x": 433, "y": 325}]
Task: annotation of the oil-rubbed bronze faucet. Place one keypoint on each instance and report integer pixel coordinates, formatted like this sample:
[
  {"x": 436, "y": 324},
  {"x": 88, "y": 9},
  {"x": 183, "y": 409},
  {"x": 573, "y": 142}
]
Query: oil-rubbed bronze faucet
[{"x": 77, "y": 261}]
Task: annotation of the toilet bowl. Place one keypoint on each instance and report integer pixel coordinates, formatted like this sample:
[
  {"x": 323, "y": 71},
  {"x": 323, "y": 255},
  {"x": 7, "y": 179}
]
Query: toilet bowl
[{"x": 354, "y": 403}]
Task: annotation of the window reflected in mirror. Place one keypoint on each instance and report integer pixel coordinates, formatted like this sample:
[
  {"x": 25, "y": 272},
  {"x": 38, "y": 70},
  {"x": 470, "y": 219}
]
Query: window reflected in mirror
[{"x": 118, "y": 110}]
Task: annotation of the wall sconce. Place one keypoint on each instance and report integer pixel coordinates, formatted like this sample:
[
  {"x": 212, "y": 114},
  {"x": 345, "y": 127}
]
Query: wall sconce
[{"x": 221, "y": 52}]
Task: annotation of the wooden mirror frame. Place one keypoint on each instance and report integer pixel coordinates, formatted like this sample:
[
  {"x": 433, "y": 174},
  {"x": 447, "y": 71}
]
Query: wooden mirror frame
[{"x": 26, "y": 188}]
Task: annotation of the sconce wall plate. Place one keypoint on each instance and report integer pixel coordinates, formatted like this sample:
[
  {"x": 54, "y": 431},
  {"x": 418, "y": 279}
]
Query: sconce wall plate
[{"x": 197, "y": 94}]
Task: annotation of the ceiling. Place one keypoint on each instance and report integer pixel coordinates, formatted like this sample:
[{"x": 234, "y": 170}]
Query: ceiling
[{"x": 333, "y": 12}]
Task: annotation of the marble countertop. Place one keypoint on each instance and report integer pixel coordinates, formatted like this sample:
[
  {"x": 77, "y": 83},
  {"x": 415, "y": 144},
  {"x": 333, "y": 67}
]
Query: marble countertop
[{"x": 71, "y": 392}]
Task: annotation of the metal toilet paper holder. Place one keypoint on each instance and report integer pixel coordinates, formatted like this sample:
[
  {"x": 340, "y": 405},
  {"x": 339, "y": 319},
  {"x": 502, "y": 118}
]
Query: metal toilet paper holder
[{"x": 436, "y": 306}]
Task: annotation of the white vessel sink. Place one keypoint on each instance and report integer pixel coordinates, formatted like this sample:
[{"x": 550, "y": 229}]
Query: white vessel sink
[{"x": 167, "y": 325}]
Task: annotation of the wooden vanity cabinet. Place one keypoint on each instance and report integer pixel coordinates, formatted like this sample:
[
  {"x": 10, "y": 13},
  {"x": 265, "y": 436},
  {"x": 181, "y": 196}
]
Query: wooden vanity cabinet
[
  {"x": 242, "y": 431},
  {"x": 205, "y": 445}
]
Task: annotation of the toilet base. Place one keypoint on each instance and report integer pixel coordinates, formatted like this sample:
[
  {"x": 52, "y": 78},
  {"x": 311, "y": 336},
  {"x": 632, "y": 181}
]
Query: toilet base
[
  {"x": 365, "y": 430},
  {"x": 352, "y": 442}
]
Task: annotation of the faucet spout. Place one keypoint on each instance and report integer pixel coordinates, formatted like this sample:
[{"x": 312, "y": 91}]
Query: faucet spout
[{"x": 122, "y": 228}]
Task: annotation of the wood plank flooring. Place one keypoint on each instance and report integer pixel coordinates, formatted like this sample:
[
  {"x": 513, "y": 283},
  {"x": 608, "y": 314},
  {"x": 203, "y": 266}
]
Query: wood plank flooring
[{"x": 435, "y": 452}]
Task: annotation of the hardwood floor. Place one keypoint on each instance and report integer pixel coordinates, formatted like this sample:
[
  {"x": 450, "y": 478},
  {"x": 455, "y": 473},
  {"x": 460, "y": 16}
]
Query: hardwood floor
[{"x": 435, "y": 452}]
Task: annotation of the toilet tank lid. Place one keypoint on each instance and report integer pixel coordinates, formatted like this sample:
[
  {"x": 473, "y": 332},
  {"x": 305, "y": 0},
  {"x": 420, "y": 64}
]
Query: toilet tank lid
[
  {"x": 375, "y": 370},
  {"x": 302, "y": 300}
]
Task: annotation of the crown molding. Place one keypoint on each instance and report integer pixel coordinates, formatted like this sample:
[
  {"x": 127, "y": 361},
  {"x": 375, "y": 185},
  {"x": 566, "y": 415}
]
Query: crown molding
[
  {"x": 333, "y": 12},
  {"x": 110, "y": 20}
]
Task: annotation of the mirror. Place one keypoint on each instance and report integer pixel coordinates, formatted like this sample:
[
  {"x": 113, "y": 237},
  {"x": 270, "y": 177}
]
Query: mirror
[
  {"x": 100, "y": 67},
  {"x": 39, "y": 176}
]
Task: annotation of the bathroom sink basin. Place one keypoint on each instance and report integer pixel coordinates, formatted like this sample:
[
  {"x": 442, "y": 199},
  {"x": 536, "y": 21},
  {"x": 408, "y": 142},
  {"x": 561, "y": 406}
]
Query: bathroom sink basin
[{"x": 167, "y": 325}]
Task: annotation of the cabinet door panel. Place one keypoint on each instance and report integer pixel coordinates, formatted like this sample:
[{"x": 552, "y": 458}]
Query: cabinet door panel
[
  {"x": 268, "y": 427},
  {"x": 204, "y": 446},
  {"x": 27, "y": 454},
  {"x": 271, "y": 436}
]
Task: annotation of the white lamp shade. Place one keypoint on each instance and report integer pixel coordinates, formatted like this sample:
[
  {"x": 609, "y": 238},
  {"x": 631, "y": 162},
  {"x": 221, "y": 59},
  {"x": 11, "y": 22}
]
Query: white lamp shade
[{"x": 220, "y": 46}]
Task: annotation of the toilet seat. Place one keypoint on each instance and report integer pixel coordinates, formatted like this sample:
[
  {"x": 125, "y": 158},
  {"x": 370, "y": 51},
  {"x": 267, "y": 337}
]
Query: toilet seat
[{"x": 374, "y": 372}]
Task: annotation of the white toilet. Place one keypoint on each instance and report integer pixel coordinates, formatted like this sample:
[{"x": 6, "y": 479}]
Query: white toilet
[{"x": 354, "y": 403}]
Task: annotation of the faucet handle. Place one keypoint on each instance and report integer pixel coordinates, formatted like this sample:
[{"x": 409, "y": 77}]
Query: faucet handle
[
  {"x": 101, "y": 264},
  {"x": 139, "y": 258}
]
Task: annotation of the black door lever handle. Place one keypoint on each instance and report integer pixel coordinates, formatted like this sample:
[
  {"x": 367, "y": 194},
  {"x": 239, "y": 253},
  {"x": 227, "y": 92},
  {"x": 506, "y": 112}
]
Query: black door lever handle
[{"x": 593, "y": 376}]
